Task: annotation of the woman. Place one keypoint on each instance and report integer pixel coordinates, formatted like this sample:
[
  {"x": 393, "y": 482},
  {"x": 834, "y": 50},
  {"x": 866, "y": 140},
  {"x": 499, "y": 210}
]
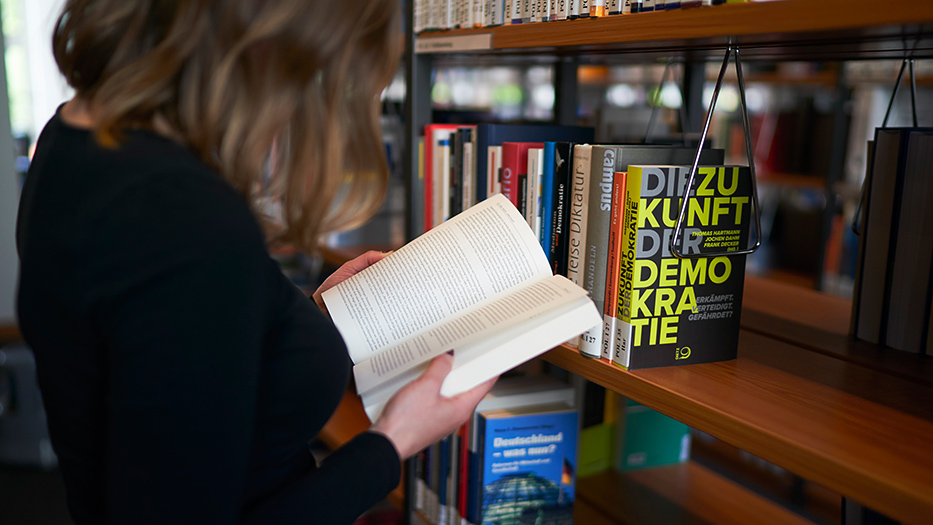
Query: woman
[{"x": 182, "y": 374}]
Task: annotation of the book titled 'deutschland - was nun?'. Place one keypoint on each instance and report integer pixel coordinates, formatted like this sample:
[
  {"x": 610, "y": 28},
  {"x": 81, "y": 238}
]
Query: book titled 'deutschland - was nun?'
[
  {"x": 528, "y": 465},
  {"x": 671, "y": 310},
  {"x": 478, "y": 284}
]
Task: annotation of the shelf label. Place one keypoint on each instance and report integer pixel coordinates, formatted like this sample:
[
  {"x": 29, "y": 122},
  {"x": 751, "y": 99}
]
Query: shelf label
[{"x": 448, "y": 44}]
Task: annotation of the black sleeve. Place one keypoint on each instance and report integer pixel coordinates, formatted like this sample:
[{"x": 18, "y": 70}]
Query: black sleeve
[
  {"x": 349, "y": 481},
  {"x": 184, "y": 306},
  {"x": 181, "y": 308}
]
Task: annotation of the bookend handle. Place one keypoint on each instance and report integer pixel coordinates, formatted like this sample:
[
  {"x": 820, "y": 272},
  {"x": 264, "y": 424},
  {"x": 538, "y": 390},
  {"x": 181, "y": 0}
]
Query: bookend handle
[
  {"x": 678, "y": 228},
  {"x": 684, "y": 124},
  {"x": 913, "y": 92},
  {"x": 908, "y": 62}
]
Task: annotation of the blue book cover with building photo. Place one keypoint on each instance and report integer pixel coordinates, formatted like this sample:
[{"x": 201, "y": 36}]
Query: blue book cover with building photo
[{"x": 529, "y": 465}]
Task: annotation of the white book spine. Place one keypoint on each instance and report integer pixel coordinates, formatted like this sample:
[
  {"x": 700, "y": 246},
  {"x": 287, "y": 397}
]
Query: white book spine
[
  {"x": 579, "y": 203},
  {"x": 563, "y": 9},
  {"x": 478, "y": 8},
  {"x": 517, "y": 11}
]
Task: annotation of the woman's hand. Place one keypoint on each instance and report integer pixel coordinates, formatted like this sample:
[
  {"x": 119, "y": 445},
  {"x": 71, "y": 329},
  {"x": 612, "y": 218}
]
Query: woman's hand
[
  {"x": 347, "y": 270},
  {"x": 418, "y": 415}
]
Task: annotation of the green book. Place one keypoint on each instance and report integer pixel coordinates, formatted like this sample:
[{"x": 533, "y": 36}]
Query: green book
[{"x": 646, "y": 438}]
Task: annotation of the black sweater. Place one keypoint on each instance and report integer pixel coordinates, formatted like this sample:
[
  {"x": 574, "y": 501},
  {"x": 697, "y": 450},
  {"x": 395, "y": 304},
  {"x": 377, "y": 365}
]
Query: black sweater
[{"x": 182, "y": 373}]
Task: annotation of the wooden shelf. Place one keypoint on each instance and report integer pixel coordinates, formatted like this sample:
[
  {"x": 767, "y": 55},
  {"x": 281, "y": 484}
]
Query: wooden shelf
[
  {"x": 801, "y": 397},
  {"x": 789, "y": 29},
  {"x": 681, "y": 493},
  {"x": 9, "y": 333}
]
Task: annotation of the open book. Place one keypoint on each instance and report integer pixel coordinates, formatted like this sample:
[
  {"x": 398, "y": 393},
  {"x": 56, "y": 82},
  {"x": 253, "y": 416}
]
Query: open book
[{"x": 478, "y": 284}]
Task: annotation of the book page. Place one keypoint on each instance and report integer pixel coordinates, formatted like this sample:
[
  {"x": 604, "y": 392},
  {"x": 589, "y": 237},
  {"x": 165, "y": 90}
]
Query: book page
[
  {"x": 474, "y": 257},
  {"x": 557, "y": 310},
  {"x": 477, "y": 324}
]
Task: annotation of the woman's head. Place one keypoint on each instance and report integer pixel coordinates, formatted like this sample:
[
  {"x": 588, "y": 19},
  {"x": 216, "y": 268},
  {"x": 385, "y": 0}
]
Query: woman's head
[{"x": 287, "y": 87}]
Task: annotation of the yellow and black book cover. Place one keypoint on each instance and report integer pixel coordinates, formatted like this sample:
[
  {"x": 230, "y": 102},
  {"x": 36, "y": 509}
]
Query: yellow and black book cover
[{"x": 676, "y": 311}]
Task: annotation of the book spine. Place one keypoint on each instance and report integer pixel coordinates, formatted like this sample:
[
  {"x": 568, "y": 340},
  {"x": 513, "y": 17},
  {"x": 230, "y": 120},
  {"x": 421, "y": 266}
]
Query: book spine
[
  {"x": 428, "y": 171},
  {"x": 510, "y": 171},
  {"x": 517, "y": 10},
  {"x": 548, "y": 190},
  {"x": 442, "y": 182},
  {"x": 494, "y": 168},
  {"x": 479, "y": 13},
  {"x": 533, "y": 190},
  {"x": 579, "y": 202},
  {"x": 602, "y": 170},
  {"x": 622, "y": 352},
  {"x": 886, "y": 178},
  {"x": 455, "y": 197},
  {"x": 563, "y": 171},
  {"x": 585, "y": 8},
  {"x": 468, "y": 180},
  {"x": 597, "y": 8},
  {"x": 612, "y": 264},
  {"x": 909, "y": 294},
  {"x": 563, "y": 9}
]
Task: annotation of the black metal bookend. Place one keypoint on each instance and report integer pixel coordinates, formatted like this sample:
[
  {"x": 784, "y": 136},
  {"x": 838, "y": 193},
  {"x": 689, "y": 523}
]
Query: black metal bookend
[
  {"x": 678, "y": 228},
  {"x": 863, "y": 195}
]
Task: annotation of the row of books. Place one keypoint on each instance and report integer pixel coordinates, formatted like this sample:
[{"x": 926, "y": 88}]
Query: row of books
[
  {"x": 892, "y": 303},
  {"x": 518, "y": 459},
  {"x": 452, "y": 14},
  {"x": 605, "y": 216}
]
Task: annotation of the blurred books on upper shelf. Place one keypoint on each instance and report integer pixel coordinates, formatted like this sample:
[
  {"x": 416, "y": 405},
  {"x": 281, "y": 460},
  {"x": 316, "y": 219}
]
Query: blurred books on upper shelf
[{"x": 454, "y": 14}]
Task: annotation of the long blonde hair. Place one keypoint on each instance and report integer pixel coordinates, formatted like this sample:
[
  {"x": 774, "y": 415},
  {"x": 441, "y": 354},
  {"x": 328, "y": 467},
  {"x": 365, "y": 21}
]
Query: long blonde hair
[{"x": 280, "y": 97}]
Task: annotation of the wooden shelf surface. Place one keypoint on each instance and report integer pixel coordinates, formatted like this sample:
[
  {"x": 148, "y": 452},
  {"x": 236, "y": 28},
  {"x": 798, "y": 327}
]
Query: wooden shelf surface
[
  {"x": 827, "y": 416},
  {"x": 764, "y": 29},
  {"x": 681, "y": 493}
]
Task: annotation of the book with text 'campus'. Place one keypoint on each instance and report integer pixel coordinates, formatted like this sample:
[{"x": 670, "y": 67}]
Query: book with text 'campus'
[
  {"x": 529, "y": 458},
  {"x": 674, "y": 311},
  {"x": 478, "y": 284}
]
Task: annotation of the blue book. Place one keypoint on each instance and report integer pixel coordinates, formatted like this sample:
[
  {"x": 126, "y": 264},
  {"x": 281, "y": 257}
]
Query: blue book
[
  {"x": 528, "y": 464},
  {"x": 495, "y": 134}
]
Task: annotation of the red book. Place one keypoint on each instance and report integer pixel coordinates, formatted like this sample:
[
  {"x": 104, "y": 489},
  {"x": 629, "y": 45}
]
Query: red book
[{"x": 515, "y": 164}]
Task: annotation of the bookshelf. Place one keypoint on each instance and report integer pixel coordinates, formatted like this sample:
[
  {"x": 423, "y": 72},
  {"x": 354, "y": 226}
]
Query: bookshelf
[{"x": 802, "y": 394}]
